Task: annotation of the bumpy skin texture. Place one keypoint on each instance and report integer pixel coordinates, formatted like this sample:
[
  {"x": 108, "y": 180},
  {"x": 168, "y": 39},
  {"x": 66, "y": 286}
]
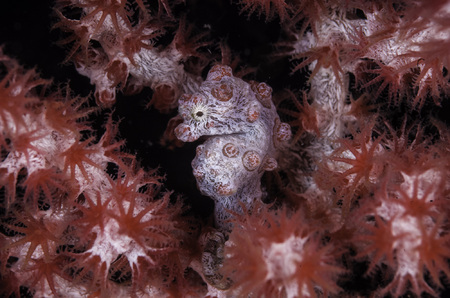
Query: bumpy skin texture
[{"x": 244, "y": 133}]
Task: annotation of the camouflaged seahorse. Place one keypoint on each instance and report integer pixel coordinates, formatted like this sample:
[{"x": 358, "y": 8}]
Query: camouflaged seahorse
[{"x": 244, "y": 132}]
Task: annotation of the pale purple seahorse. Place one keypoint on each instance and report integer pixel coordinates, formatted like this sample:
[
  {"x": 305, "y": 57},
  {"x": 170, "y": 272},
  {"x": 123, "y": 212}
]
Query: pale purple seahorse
[{"x": 244, "y": 132}]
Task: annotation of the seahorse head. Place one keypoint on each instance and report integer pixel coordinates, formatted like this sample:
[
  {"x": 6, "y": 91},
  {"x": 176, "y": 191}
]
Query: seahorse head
[{"x": 223, "y": 105}]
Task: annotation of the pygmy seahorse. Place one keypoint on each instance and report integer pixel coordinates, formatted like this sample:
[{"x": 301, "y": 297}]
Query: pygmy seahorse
[{"x": 243, "y": 134}]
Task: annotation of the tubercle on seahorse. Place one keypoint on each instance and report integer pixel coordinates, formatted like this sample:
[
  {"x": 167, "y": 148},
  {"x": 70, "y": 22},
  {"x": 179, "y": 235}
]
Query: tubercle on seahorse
[{"x": 244, "y": 133}]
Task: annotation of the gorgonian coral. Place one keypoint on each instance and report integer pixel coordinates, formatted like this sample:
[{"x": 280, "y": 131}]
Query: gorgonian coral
[{"x": 359, "y": 198}]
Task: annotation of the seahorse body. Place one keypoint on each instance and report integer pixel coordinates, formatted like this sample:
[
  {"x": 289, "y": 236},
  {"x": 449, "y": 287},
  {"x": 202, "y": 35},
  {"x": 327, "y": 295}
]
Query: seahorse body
[{"x": 244, "y": 132}]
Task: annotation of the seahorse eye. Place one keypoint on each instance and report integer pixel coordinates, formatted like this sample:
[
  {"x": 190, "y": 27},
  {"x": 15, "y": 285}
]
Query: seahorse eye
[{"x": 199, "y": 112}]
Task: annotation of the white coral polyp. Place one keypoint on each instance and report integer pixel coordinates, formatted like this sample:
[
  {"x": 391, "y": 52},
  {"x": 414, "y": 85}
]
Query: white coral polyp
[
  {"x": 110, "y": 243},
  {"x": 282, "y": 260}
]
